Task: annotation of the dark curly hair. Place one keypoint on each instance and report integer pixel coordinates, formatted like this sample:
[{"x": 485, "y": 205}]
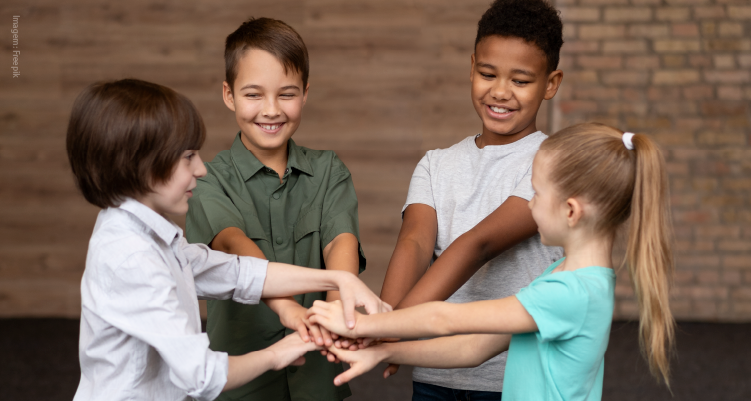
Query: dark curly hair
[{"x": 535, "y": 21}]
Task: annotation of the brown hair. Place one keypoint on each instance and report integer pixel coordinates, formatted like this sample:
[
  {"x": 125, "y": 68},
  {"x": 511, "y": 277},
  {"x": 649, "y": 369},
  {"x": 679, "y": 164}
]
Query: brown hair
[
  {"x": 626, "y": 185},
  {"x": 124, "y": 136},
  {"x": 271, "y": 35}
]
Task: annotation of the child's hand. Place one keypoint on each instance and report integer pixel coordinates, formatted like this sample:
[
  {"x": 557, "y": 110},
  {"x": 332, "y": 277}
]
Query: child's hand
[
  {"x": 360, "y": 361},
  {"x": 289, "y": 351},
  {"x": 294, "y": 317},
  {"x": 330, "y": 315},
  {"x": 354, "y": 293}
]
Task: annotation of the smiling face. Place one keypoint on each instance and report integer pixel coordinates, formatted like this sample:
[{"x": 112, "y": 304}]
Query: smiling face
[
  {"x": 171, "y": 197},
  {"x": 548, "y": 208},
  {"x": 267, "y": 102},
  {"x": 509, "y": 81}
]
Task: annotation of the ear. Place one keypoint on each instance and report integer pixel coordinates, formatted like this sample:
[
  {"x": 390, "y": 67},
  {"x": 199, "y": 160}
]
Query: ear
[
  {"x": 574, "y": 212},
  {"x": 305, "y": 94},
  {"x": 227, "y": 96},
  {"x": 554, "y": 82},
  {"x": 472, "y": 67}
]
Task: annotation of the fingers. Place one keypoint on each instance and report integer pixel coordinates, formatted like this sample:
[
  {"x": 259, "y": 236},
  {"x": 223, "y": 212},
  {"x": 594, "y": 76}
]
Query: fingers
[
  {"x": 302, "y": 329},
  {"x": 348, "y": 306},
  {"x": 315, "y": 331},
  {"x": 327, "y": 340},
  {"x": 390, "y": 370}
]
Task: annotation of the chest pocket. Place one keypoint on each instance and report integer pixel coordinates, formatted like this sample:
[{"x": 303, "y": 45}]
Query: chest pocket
[
  {"x": 309, "y": 222},
  {"x": 306, "y": 234}
]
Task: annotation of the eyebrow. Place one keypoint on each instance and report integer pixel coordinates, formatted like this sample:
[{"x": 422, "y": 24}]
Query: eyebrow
[
  {"x": 514, "y": 71},
  {"x": 259, "y": 87}
]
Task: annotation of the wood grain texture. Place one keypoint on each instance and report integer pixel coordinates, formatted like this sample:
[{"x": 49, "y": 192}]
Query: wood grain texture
[{"x": 389, "y": 80}]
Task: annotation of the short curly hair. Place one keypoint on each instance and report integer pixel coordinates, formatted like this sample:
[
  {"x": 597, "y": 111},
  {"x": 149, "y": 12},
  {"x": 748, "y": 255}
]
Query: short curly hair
[{"x": 535, "y": 21}]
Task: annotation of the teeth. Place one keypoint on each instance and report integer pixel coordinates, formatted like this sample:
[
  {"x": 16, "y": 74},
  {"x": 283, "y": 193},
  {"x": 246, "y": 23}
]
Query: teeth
[
  {"x": 498, "y": 109},
  {"x": 270, "y": 127}
]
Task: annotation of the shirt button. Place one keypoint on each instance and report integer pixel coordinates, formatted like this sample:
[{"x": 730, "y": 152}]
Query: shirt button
[
  {"x": 276, "y": 195},
  {"x": 279, "y": 240}
]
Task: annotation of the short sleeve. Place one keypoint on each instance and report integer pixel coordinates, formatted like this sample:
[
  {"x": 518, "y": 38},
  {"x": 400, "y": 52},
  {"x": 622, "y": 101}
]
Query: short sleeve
[
  {"x": 420, "y": 187},
  {"x": 524, "y": 188},
  {"x": 339, "y": 209},
  {"x": 210, "y": 211},
  {"x": 558, "y": 304}
]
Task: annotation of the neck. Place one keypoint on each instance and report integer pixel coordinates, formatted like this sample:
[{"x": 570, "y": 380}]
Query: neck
[
  {"x": 588, "y": 250},
  {"x": 275, "y": 159},
  {"x": 489, "y": 138}
]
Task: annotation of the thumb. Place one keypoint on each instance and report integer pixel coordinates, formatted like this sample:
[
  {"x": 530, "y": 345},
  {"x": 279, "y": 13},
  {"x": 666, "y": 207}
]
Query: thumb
[
  {"x": 347, "y": 375},
  {"x": 348, "y": 307}
]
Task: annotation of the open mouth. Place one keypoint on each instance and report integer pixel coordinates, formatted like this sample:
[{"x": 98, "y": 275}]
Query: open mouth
[
  {"x": 270, "y": 128},
  {"x": 500, "y": 111}
]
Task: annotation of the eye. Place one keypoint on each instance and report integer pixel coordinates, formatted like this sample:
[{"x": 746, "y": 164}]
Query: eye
[
  {"x": 518, "y": 82},
  {"x": 190, "y": 155},
  {"x": 252, "y": 95},
  {"x": 486, "y": 75},
  {"x": 287, "y": 95}
]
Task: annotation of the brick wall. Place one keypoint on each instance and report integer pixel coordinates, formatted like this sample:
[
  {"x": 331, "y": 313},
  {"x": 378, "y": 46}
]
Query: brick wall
[{"x": 679, "y": 71}]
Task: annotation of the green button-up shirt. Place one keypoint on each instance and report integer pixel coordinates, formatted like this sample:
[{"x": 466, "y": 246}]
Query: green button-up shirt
[{"x": 291, "y": 222}]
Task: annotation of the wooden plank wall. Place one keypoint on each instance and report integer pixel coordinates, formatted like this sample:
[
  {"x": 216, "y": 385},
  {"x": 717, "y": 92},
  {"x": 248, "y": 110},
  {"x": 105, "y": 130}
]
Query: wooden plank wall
[{"x": 389, "y": 80}]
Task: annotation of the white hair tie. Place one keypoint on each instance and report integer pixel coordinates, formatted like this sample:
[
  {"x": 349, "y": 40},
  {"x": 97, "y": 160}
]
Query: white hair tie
[{"x": 627, "y": 140}]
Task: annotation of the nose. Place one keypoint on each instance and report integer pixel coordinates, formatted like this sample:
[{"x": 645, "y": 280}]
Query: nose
[
  {"x": 271, "y": 108},
  {"x": 200, "y": 169},
  {"x": 501, "y": 90}
]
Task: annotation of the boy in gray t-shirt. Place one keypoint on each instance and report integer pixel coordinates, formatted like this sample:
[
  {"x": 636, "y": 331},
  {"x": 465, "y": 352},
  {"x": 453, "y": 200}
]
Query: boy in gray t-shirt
[{"x": 466, "y": 214}]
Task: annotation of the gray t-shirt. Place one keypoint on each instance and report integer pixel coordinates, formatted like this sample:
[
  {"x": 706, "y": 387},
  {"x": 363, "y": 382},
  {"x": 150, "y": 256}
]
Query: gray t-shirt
[{"x": 464, "y": 184}]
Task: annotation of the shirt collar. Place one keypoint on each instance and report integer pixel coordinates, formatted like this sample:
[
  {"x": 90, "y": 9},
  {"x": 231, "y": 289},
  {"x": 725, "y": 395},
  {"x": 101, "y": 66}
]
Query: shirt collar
[
  {"x": 249, "y": 165},
  {"x": 163, "y": 228}
]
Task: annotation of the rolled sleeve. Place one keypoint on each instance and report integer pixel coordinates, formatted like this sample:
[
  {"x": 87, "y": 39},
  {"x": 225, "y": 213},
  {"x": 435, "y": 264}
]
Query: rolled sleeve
[
  {"x": 217, "y": 368},
  {"x": 219, "y": 275}
]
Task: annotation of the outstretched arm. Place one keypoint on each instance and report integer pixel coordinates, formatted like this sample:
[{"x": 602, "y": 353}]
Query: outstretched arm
[
  {"x": 499, "y": 316},
  {"x": 414, "y": 249},
  {"x": 291, "y": 314},
  {"x": 461, "y": 351},
  {"x": 288, "y": 351},
  {"x": 508, "y": 225}
]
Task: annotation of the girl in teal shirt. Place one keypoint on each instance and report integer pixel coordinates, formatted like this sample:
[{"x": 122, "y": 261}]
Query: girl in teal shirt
[{"x": 589, "y": 179}]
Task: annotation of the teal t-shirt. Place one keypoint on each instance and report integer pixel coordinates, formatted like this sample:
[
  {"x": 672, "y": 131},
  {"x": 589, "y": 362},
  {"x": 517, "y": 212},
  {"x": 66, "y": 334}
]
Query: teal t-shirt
[{"x": 565, "y": 358}]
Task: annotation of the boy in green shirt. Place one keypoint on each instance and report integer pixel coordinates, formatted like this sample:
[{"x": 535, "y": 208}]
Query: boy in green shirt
[{"x": 269, "y": 198}]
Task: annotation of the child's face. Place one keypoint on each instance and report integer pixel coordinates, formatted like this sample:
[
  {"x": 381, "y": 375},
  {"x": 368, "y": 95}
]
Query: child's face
[
  {"x": 509, "y": 81},
  {"x": 548, "y": 208},
  {"x": 171, "y": 197},
  {"x": 267, "y": 102}
]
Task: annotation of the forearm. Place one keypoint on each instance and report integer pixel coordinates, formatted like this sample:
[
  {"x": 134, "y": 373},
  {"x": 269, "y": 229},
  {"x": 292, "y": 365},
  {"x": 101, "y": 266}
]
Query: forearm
[
  {"x": 508, "y": 225},
  {"x": 342, "y": 254},
  {"x": 463, "y": 351},
  {"x": 234, "y": 241},
  {"x": 283, "y": 280},
  {"x": 244, "y": 368},
  {"x": 281, "y": 305},
  {"x": 447, "y": 274},
  {"x": 413, "y": 252},
  {"x": 408, "y": 263},
  {"x": 427, "y": 320}
]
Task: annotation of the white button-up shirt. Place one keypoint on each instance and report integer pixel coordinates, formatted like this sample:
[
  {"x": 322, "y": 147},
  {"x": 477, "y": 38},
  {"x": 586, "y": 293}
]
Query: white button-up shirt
[{"x": 140, "y": 326}]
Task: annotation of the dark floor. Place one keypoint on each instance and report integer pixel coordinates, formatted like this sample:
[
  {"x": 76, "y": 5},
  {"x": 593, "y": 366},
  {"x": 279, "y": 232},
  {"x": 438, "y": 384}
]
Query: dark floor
[{"x": 40, "y": 362}]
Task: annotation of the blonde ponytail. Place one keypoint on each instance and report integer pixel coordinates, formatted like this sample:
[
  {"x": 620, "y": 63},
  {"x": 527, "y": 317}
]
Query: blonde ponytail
[
  {"x": 625, "y": 184},
  {"x": 649, "y": 257}
]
